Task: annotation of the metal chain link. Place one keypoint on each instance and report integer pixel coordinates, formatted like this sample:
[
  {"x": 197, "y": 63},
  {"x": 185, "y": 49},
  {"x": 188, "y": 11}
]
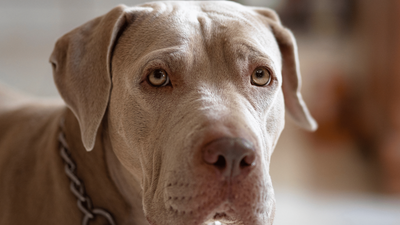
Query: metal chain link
[{"x": 77, "y": 187}]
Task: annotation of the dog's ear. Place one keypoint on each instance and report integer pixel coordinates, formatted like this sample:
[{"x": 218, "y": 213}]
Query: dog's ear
[
  {"x": 81, "y": 69},
  {"x": 291, "y": 83}
]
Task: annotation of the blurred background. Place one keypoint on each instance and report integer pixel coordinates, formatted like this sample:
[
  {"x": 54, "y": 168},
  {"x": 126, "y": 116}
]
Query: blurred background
[{"x": 348, "y": 172}]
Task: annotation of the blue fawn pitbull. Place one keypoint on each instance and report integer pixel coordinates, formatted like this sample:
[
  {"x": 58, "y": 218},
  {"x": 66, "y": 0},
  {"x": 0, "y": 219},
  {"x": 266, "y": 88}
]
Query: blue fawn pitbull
[{"x": 172, "y": 111}]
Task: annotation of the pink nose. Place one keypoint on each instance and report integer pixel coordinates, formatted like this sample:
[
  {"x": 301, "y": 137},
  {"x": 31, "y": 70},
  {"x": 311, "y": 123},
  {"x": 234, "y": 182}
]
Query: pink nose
[{"x": 230, "y": 156}]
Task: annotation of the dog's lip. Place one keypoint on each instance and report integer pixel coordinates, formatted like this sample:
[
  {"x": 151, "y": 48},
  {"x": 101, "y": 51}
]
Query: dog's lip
[
  {"x": 221, "y": 216},
  {"x": 223, "y": 213}
]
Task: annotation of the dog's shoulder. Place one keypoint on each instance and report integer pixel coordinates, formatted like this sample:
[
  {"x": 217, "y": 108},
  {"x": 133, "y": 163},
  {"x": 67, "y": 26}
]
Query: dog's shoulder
[
  {"x": 30, "y": 164},
  {"x": 17, "y": 108},
  {"x": 28, "y": 152},
  {"x": 10, "y": 98},
  {"x": 24, "y": 120}
]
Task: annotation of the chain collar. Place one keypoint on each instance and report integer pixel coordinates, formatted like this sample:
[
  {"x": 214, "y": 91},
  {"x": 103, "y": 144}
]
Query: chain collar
[{"x": 77, "y": 187}]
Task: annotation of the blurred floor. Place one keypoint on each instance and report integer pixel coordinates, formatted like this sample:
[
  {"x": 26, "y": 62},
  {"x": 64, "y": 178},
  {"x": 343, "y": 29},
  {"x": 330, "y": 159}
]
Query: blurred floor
[
  {"x": 330, "y": 186},
  {"x": 313, "y": 208}
]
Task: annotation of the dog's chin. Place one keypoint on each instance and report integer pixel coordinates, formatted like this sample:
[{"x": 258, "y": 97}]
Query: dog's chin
[
  {"x": 224, "y": 215},
  {"x": 226, "y": 210},
  {"x": 245, "y": 202},
  {"x": 218, "y": 216}
]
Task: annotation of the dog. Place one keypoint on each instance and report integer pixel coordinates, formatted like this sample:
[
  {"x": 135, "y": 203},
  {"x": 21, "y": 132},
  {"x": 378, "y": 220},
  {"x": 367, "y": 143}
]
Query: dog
[{"x": 172, "y": 111}]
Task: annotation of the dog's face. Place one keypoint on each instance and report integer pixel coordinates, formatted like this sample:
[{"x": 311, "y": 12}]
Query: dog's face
[{"x": 196, "y": 105}]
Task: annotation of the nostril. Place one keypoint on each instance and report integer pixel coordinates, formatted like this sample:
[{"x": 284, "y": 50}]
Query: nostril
[
  {"x": 243, "y": 163},
  {"x": 247, "y": 161},
  {"x": 221, "y": 162}
]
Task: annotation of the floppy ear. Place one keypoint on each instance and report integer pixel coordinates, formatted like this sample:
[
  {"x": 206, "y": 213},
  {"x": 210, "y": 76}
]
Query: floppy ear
[
  {"x": 81, "y": 69},
  {"x": 291, "y": 83}
]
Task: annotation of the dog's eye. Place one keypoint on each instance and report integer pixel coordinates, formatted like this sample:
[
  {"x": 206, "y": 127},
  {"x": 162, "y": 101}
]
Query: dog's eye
[
  {"x": 260, "y": 77},
  {"x": 158, "y": 78}
]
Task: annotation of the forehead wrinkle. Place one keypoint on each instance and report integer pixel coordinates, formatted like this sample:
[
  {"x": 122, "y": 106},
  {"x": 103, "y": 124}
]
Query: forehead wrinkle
[
  {"x": 229, "y": 11},
  {"x": 170, "y": 38},
  {"x": 217, "y": 28},
  {"x": 252, "y": 51},
  {"x": 182, "y": 23},
  {"x": 205, "y": 27},
  {"x": 176, "y": 58},
  {"x": 170, "y": 22}
]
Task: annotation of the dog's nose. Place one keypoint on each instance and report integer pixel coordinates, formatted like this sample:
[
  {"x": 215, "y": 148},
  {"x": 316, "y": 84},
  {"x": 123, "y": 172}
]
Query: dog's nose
[{"x": 230, "y": 156}]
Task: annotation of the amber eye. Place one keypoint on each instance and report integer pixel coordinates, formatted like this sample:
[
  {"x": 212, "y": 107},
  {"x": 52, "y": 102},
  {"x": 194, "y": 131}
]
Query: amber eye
[
  {"x": 158, "y": 78},
  {"x": 260, "y": 77}
]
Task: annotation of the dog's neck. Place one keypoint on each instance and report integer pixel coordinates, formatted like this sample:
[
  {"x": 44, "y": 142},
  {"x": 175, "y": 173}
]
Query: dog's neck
[
  {"x": 128, "y": 186},
  {"x": 107, "y": 182}
]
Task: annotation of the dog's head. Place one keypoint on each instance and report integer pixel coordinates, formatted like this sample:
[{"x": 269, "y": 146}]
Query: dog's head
[{"x": 195, "y": 94}]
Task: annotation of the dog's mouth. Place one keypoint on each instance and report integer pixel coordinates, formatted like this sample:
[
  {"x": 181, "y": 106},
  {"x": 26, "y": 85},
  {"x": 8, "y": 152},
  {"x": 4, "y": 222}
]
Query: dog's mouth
[
  {"x": 223, "y": 215},
  {"x": 220, "y": 216}
]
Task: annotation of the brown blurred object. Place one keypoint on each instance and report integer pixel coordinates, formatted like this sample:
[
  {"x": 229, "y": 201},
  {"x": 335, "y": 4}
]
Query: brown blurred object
[
  {"x": 357, "y": 104},
  {"x": 331, "y": 109},
  {"x": 317, "y": 16},
  {"x": 379, "y": 24},
  {"x": 366, "y": 111}
]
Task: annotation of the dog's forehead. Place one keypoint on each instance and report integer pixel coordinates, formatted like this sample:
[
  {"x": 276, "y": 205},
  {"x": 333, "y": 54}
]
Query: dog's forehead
[
  {"x": 194, "y": 8},
  {"x": 198, "y": 37},
  {"x": 194, "y": 23}
]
